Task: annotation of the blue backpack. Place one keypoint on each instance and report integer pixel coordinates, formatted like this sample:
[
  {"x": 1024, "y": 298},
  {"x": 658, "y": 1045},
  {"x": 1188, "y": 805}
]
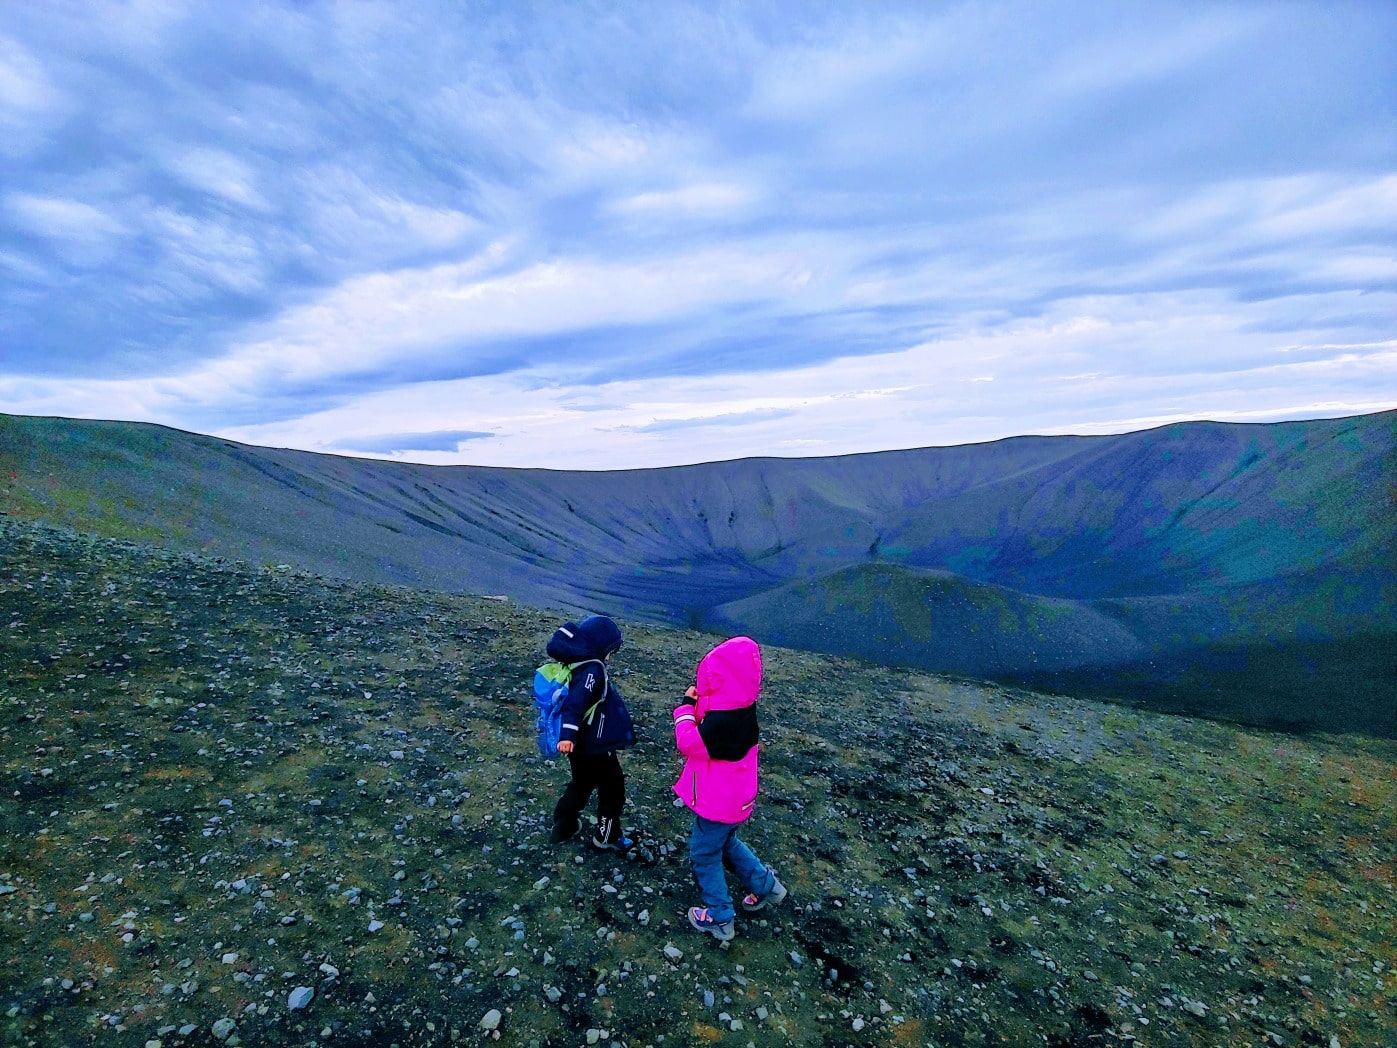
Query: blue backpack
[{"x": 550, "y": 692}]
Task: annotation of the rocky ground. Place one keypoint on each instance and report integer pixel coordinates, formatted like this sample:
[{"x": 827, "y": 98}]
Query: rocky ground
[{"x": 251, "y": 806}]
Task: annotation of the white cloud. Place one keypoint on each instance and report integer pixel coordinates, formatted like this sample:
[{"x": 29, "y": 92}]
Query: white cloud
[
  {"x": 603, "y": 148},
  {"x": 203, "y": 252},
  {"x": 30, "y": 103},
  {"x": 61, "y": 218},
  {"x": 1303, "y": 207},
  {"x": 935, "y": 393},
  {"x": 1281, "y": 209},
  {"x": 447, "y": 310},
  {"x": 220, "y": 173},
  {"x": 342, "y": 210},
  {"x": 1159, "y": 48},
  {"x": 24, "y": 268},
  {"x": 851, "y": 62},
  {"x": 702, "y": 198},
  {"x": 947, "y": 392}
]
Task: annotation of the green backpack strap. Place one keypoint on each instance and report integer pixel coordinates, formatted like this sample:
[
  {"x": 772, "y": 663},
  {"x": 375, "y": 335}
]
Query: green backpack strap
[{"x": 605, "y": 687}]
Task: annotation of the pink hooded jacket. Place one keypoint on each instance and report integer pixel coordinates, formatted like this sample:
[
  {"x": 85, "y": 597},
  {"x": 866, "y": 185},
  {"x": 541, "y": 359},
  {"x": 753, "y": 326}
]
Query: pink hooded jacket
[{"x": 717, "y": 734}]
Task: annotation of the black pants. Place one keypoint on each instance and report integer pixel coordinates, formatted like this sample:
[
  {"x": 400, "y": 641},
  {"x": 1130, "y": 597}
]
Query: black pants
[{"x": 601, "y": 773}]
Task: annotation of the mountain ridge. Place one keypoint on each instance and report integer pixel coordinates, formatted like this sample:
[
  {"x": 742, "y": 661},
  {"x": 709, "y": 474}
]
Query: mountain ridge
[{"x": 1220, "y": 534}]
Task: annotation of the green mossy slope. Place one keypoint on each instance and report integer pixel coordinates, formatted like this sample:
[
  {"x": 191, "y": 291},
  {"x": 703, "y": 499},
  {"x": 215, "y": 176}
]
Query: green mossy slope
[{"x": 220, "y": 783}]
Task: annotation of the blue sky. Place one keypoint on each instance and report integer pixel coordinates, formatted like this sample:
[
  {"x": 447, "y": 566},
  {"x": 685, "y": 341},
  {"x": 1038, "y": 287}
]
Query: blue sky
[{"x": 629, "y": 234}]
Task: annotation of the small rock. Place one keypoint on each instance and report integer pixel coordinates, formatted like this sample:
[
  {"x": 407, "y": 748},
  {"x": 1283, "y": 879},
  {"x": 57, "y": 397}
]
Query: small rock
[
  {"x": 375, "y": 925},
  {"x": 674, "y": 953},
  {"x": 491, "y": 1020},
  {"x": 858, "y": 1024},
  {"x": 329, "y": 970},
  {"x": 299, "y": 998},
  {"x": 223, "y": 1029}
]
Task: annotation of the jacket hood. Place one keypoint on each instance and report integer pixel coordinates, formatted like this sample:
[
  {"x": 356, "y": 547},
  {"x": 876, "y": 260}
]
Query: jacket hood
[
  {"x": 595, "y": 637},
  {"x": 730, "y": 676}
]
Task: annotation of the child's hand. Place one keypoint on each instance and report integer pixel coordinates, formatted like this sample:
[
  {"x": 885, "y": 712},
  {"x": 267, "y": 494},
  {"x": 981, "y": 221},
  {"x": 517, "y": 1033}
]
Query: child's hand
[
  {"x": 691, "y": 692},
  {"x": 565, "y": 746}
]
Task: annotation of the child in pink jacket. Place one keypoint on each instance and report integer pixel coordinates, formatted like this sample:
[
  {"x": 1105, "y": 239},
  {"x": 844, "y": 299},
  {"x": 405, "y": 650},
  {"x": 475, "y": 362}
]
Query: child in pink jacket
[{"x": 717, "y": 734}]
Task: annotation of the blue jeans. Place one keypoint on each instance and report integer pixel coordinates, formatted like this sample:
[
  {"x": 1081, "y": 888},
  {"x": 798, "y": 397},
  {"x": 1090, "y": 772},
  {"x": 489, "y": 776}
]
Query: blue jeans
[{"x": 713, "y": 845}]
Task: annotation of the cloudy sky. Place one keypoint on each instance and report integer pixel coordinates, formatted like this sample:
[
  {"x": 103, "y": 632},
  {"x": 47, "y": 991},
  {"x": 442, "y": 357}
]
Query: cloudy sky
[{"x": 641, "y": 234}]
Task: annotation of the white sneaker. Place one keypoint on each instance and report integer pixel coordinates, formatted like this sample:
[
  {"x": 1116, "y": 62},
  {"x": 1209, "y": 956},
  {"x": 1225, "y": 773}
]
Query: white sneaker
[{"x": 752, "y": 904}]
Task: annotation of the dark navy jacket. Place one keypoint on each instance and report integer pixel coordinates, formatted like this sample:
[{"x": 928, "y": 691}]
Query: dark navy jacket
[{"x": 584, "y": 647}]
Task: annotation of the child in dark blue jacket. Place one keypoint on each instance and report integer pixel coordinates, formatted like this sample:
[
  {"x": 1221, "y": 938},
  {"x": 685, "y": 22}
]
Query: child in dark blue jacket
[{"x": 596, "y": 724}]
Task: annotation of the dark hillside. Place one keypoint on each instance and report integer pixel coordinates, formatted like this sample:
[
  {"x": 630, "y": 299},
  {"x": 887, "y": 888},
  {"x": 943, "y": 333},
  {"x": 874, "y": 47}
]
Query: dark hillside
[
  {"x": 1131, "y": 565},
  {"x": 1295, "y": 653},
  {"x": 910, "y": 614},
  {"x": 227, "y": 788}
]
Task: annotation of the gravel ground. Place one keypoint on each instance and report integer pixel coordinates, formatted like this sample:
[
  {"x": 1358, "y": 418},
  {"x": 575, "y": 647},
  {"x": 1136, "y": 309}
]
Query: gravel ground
[{"x": 253, "y": 806}]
